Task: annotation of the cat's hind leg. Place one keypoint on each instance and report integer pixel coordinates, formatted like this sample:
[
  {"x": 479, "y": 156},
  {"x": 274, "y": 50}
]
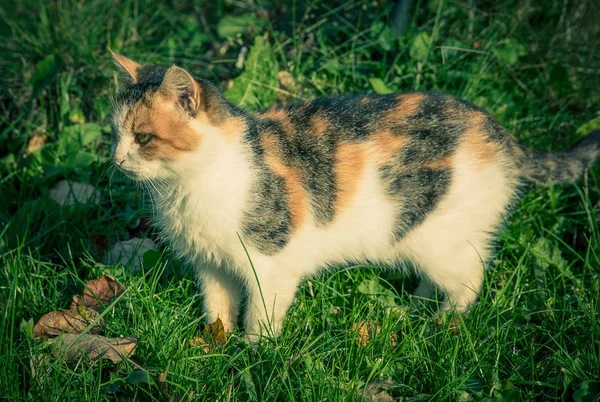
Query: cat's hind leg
[{"x": 455, "y": 267}]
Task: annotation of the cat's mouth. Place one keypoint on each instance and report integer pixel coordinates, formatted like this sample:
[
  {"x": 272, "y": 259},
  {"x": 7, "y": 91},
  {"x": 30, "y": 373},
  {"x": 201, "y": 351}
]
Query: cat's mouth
[{"x": 131, "y": 174}]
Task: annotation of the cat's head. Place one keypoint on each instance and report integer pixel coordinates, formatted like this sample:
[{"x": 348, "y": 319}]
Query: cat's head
[{"x": 161, "y": 118}]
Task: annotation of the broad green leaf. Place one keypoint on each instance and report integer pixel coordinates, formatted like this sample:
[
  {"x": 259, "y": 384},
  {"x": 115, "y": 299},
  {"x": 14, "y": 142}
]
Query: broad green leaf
[
  {"x": 386, "y": 38},
  {"x": 26, "y": 327},
  {"x": 590, "y": 126},
  {"x": 588, "y": 392},
  {"x": 379, "y": 86},
  {"x": 547, "y": 253},
  {"x": 373, "y": 288},
  {"x": 83, "y": 134},
  {"x": 232, "y": 25},
  {"x": 450, "y": 46},
  {"x": 44, "y": 73},
  {"x": 509, "y": 51},
  {"x": 139, "y": 377},
  {"x": 420, "y": 46},
  {"x": 252, "y": 88}
]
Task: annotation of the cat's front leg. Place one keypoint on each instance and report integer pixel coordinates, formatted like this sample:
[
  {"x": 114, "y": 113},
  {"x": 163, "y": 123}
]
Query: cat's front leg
[
  {"x": 268, "y": 303},
  {"x": 222, "y": 295}
]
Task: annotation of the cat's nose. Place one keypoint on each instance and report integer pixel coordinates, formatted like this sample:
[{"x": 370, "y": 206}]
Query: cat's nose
[{"x": 118, "y": 161}]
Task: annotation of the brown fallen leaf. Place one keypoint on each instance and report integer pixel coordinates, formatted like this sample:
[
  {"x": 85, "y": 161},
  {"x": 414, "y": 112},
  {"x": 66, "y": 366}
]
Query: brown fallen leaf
[
  {"x": 67, "y": 192},
  {"x": 99, "y": 292},
  {"x": 72, "y": 321},
  {"x": 129, "y": 253},
  {"x": 164, "y": 388},
  {"x": 39, "y": 366},
  {"x": 286, "y": 81},
  {"x": 71, "y": 347},
  {"x": 367, "y": 330},
  {"x": 453, "y": 322},
  {"x": 198, "y": 342},
  {"x": 215, "y": 334},
  {"x": 376, "y": 391},
  {"x": 35, "y": 143}
]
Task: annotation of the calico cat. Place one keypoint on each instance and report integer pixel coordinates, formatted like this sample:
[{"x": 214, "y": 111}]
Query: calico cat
[{"x": 421, "y": 177}]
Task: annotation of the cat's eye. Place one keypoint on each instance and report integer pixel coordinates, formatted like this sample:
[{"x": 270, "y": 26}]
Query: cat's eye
[{"x": 143, "y": 138}]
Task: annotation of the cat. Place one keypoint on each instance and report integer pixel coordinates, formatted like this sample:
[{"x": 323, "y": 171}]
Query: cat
[{"x": 256, "y": 202}]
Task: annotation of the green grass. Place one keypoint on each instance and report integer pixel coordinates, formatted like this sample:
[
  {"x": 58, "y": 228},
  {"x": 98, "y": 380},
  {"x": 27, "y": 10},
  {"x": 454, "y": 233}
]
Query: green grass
[{"x": 535, "y": 334}]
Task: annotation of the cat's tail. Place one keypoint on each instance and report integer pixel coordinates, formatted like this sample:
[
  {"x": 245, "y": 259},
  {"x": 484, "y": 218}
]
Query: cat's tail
[{"x": 559, "y": 167}]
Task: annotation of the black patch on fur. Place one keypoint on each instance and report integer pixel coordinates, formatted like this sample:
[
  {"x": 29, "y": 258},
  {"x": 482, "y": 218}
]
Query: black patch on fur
[
  {"x": 433, "y": 135},
  {"x": 267, "y": 222},
  {"x": 149, "y": 79},
  {"x": 418, "y": 192}
]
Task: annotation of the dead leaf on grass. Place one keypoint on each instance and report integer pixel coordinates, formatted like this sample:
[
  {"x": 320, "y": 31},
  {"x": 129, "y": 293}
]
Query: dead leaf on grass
[
  {"x": 130, "y": 253},
  {"x": 454, "y": 323},
  {"x": 164, "y": 389},
  {"x": 286, "y": 81},
  {"x": 100, "y": 291},
  {"x": 35, "y": 143},
  {"x": 71, "y": 347},
  {"x": 198, "y": 342},
  {"x": 39, "y": 366},
  {"x": 367, "y": 330},
  {"x": 376, "y": 391},
  {"x": 72, "y": 321},
  {"x": 67, "y": 192},
  {"x": 215, "y": 334}
]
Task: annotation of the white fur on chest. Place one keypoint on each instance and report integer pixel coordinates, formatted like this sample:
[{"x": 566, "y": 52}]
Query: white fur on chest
[{"x": 201, "y": 219}]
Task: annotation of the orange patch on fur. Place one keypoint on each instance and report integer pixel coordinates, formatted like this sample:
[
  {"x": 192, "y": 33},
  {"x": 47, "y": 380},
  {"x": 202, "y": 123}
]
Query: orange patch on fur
[
  {"x": 275, "y": 114},
  {"x": 443, "y": 164},
  {"x": 384, "y": 145},
  {"x": 172, "y": 133},
  {"x": 476, "y": 140},
  {"x": 348, "y": 170},
  {"x": 318, "y": 125},
  {"x": 292, "y": 177},
  {"x": 233, "y": 128},
  {"x": 409, "y": 104}
]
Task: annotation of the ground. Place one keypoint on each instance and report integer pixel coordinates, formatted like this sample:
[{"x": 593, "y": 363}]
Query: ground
[{"x": 535, "y": 333}]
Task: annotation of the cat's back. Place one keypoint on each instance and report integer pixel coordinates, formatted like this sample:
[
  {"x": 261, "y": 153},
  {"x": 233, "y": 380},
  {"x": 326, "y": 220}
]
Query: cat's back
[
  {"x": 357, "y": 118},
  {"x": 332, "y": 156}
]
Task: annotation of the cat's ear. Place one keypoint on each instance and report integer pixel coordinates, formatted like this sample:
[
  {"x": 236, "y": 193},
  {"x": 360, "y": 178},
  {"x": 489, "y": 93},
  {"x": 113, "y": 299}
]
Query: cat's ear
[
  {"x": 127, "y": 67},
  {"x": 180, "y": 85}
]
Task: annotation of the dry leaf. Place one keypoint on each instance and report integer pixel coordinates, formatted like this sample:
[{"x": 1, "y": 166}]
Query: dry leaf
[
  {"x": 71, "y": 347},
  {"x": 376, "y": 391},
  {"x": 130, "y": 252},
  {"x": 215, "y": 334},
  {"x": 197, "y": 342},
  {"x": 72, "y": 321},
  {"x": 286, "y": 80},
  {"x": 367, "y": 330},
  {"x": 454, "y": 324},
  {"x": 39, "y": 366},
  {"x": 162, "y": 378},
  {"x": 101, "y": 290},
  {"x": 67, "y": 192},
  {"x": 35, "y": 143}
]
